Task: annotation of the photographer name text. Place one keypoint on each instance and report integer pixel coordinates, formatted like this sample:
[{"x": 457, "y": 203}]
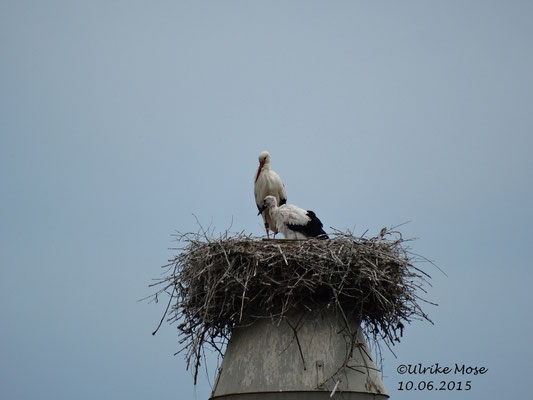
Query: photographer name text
[{"x": 436, "y": 369}]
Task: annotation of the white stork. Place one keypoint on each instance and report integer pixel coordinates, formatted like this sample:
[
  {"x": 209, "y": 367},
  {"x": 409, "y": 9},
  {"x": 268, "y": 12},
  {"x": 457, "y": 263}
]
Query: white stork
[
  {"x": 293, "y": 222},
  {"x": 268, "y": 183}
]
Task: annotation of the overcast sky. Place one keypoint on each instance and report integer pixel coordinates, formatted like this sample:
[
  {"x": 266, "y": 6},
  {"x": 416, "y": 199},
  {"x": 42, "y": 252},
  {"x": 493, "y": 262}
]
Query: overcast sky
[{"x": 119, "y": 120}]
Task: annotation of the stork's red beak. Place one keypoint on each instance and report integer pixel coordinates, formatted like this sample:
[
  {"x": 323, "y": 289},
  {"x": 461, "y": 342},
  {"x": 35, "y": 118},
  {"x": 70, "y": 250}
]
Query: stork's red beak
[{"x": 259, "y": 171}]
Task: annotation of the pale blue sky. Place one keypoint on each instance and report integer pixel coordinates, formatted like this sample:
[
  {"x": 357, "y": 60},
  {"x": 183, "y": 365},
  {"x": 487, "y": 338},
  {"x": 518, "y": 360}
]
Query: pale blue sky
[{"x": 120, "y": 119}]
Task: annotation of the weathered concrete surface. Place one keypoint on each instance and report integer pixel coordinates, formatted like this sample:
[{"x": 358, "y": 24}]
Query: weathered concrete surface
[{"x": 265, "y": 362}]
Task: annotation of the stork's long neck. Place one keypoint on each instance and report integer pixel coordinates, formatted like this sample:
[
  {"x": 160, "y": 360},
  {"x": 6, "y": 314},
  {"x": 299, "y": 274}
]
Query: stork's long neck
[
  {"x": 263, "y": 167},
  {"x": 273, "y": 210}
]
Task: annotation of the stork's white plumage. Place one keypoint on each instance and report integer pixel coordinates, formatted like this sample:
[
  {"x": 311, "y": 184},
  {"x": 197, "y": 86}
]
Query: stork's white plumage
[
  {"x": 268, "y": 183},
  {"x": 292, "y": 221}
]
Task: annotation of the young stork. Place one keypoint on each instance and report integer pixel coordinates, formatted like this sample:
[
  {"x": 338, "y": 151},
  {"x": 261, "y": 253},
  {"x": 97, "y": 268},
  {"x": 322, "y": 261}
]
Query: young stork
[
  {"x": 268, "y": 183},
  {"x": 292, "y": 221}
]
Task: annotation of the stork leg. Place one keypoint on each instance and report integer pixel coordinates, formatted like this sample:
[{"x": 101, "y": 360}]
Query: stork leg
[{"x": 266, "y": 227}]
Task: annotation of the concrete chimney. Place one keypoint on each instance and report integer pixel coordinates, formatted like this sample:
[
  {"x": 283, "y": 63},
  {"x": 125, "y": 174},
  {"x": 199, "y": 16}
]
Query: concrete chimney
[{"x": 268, "y": 361}]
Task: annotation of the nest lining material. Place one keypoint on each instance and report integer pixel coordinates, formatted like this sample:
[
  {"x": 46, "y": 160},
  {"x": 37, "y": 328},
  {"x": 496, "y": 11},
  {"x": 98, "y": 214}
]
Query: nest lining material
[{"x": 218, "y": 284}]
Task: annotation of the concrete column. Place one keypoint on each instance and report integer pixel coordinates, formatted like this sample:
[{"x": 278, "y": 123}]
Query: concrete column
[{"x": 267, "y": 361}]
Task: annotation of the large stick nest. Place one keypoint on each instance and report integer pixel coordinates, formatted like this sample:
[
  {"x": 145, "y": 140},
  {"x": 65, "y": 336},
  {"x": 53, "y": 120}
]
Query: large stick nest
[{"x": 216, "y": 285}]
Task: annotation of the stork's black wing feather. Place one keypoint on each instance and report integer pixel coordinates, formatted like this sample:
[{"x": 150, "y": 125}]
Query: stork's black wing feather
[{"x": 312, "y": 229}]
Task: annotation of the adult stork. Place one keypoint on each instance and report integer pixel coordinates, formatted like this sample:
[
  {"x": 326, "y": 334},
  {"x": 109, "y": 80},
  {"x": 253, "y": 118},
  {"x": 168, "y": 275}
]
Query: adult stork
[
  {"x": 292, "y": 221},
  {"x": 268, "y": 183}
]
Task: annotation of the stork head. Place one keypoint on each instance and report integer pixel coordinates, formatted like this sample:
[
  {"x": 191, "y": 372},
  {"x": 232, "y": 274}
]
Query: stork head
[
  {"x": 264, "y": 157},
  {"x": 270, "y": 201}
]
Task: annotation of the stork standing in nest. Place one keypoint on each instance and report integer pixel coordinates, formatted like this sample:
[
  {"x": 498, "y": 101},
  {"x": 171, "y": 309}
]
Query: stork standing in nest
[
  {"x": 268, "y": 183},
  {"x": 293, "y": 222}
]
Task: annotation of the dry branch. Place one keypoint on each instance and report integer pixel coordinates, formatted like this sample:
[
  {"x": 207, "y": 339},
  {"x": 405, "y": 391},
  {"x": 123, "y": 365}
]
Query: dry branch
[{"x": 218, "y": 284}]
